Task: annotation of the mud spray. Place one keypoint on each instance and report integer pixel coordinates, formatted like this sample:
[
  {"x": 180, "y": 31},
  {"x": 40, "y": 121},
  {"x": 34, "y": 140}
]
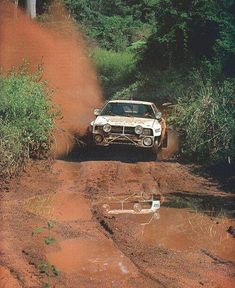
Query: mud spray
[{"x": 60, "y": 48}]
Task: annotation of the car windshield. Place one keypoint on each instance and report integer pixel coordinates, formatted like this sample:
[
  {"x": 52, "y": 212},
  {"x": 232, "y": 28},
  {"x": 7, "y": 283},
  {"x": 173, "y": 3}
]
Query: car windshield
[{"x": 128, "y": 110}]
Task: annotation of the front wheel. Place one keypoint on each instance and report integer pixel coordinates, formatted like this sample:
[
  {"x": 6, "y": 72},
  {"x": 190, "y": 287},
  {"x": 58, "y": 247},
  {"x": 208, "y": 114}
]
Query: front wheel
[{"x": 155, "y": 149}]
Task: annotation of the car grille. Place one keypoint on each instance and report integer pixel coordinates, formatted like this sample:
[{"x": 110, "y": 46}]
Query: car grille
[
  {"x": 117, "y": 129},
  {"x": 127, "y": 130}
]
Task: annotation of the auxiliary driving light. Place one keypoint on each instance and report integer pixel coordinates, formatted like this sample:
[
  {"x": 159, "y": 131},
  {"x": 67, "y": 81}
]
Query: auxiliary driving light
[
  {"x": 148, "y": 141},
  {"x": 138, "y": 129},
  {"x": 98, "y": 138},
  {"x": 107, "y": 128}
]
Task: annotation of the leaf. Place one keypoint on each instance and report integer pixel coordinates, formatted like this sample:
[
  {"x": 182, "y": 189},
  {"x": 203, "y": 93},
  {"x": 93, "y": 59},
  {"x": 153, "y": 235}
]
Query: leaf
[
  {"x": 50, "y": 225},
  {"x": 55, "y": 270},
  {"x": 37, "y": 230},
  {"x": 49, "y": 240},
  {"x": 44, "y": 268}
]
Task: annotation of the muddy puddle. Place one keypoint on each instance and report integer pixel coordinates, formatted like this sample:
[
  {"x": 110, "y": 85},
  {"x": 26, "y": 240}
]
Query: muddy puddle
[
  {"x": 95, "y": 259},
  {"x": 185, "y": 230},
  {"x": 60, "y": 207}
]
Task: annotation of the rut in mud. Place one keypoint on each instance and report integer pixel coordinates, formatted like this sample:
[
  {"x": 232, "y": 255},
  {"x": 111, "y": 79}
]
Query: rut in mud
[{"x": 188, "y": 246}]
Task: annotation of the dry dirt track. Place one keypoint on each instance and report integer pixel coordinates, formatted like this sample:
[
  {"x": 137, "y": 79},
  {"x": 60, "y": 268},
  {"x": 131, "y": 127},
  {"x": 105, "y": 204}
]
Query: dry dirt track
[{"x": 93, "y": 250}]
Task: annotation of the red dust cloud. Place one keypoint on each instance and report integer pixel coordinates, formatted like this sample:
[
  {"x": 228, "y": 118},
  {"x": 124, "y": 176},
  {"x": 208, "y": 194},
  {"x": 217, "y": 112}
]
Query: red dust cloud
[{"x": 60, "y": 48}]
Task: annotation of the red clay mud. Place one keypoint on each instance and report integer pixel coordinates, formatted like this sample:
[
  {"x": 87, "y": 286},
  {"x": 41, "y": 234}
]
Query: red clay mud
[
  {"x": 181, "y": 249},
  {"x": 95, "y": 259},
  {"x": 65, "y": 64},
  {"x": 59, "y": 206},
  {"x": 7, "y": 280}
]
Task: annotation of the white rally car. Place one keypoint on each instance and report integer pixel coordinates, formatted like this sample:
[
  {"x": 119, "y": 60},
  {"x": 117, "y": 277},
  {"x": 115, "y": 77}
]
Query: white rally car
[{"x": 128, "y": 122}]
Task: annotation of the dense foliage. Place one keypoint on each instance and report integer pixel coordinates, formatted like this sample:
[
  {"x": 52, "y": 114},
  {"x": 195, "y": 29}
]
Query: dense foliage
[
  {"x": 26, "y": 119},
  {"x": 116, "y": 70},
  {"x": 205, "y": 116},
  {"x": 177, "y": 32},
  {"x": 114, "y": 24},
  {"x": 188, "y": 32}
]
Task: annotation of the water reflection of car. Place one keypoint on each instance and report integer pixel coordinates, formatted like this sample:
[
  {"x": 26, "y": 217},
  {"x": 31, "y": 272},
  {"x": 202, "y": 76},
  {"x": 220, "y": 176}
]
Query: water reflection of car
[
  {"x": 128, "y": 122},
  {"x": 132, "y": 204}
]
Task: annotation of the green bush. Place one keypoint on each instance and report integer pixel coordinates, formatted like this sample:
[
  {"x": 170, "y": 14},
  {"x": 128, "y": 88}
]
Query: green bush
[
  {"x": 26, "y": 119},
  {"x": 205, "y": 117},
  {"x": 116, "y": 69}
]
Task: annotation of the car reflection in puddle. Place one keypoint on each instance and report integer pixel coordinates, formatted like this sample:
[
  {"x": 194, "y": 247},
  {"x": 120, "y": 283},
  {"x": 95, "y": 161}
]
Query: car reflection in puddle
[
  {"x": 146, "y": 205},
  {"x": 132, "y": 204},
  {"x": 182, "y": 230}
]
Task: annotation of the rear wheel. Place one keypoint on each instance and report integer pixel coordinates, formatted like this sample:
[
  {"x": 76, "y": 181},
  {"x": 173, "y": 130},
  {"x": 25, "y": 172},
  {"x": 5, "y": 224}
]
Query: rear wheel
[{"x": 137, "y": 207}]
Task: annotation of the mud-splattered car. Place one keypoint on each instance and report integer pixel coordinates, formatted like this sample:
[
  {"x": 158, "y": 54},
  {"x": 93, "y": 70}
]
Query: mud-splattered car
[{"x": 128, "y": 122}]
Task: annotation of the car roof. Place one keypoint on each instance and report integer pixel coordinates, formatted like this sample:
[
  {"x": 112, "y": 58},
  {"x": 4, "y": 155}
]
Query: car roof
[{"x": 131, "y": 101}]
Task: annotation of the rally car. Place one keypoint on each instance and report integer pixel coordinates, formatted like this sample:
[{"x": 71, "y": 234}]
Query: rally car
[{"x": 128, "y": 122}]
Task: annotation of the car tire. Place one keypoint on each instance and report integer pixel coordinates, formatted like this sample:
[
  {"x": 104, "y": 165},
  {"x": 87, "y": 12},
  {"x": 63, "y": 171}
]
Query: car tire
[
  {"x": 146, "y": 196},
  {"x": 155, "y": 150},
  {"x": 137, "y": 207},
  {"x": 105, "y": 208}
]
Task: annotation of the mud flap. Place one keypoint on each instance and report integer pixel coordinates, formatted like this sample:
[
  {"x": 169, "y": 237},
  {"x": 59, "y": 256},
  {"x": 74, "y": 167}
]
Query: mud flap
[
  {"x": 165, "y": 140},
  {"x": 172, "y": 145},
  {"x": 163, "y": 134}
]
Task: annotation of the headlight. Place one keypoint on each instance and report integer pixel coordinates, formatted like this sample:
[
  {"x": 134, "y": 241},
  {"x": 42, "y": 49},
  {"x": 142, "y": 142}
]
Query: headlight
[
  {"x": 148, "y": 141},
  {"x": 107, "y": 128},
  {"x": 138, "y": 129},
  {"x": 98, "y": 138}
]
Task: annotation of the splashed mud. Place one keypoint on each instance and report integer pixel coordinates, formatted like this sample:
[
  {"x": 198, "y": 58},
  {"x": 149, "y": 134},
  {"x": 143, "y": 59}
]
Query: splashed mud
[
  {"x": 173, "y": 145},
  {"x": 65, "y": 64}
]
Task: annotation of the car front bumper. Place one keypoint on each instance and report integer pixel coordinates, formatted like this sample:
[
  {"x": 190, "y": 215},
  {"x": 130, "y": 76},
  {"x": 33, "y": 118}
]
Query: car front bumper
[{"x": 135, "y": 140}]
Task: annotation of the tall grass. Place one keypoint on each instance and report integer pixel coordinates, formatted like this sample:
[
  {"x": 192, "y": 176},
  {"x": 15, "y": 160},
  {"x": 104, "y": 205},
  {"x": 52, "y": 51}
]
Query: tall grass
[
  {"x": 205, "y": 116},
  {"x": 115, "y": 69},
  {"x": 26, "y": 119}
]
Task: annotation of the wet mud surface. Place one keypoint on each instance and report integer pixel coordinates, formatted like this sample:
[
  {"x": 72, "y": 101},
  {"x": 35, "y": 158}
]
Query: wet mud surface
[
  {"x": 92, "y": 259},
  {"x": 186, "y": 244}
]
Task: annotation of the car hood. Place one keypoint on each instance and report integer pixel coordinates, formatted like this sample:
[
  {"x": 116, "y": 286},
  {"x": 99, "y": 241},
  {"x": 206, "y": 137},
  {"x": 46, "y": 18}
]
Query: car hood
[{"x": 125, "y": 121}]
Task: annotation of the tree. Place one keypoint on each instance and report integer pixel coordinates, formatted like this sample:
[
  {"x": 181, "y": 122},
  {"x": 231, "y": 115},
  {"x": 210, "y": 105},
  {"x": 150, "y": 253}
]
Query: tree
[
  {"x": 114, "y": 24},
  {"x": 188, "y": 32},
  {"x": 31, "y": 8}
]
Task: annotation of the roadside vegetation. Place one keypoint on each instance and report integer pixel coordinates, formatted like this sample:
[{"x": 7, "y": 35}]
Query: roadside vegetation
[
  {"x": 26, "y": 119},
  {"x": 116, "y": 69},
  {"x": 204, "y": 116}
]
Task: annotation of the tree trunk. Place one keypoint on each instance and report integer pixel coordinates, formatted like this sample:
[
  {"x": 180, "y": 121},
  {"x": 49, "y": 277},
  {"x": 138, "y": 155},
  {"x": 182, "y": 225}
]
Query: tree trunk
[
  {"x": 16, "y": 7},
  {"x": 31, "y": 8}
]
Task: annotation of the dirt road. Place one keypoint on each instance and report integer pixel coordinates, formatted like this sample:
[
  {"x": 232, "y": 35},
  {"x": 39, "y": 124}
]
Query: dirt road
[{"x": 186, "y": 245}]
